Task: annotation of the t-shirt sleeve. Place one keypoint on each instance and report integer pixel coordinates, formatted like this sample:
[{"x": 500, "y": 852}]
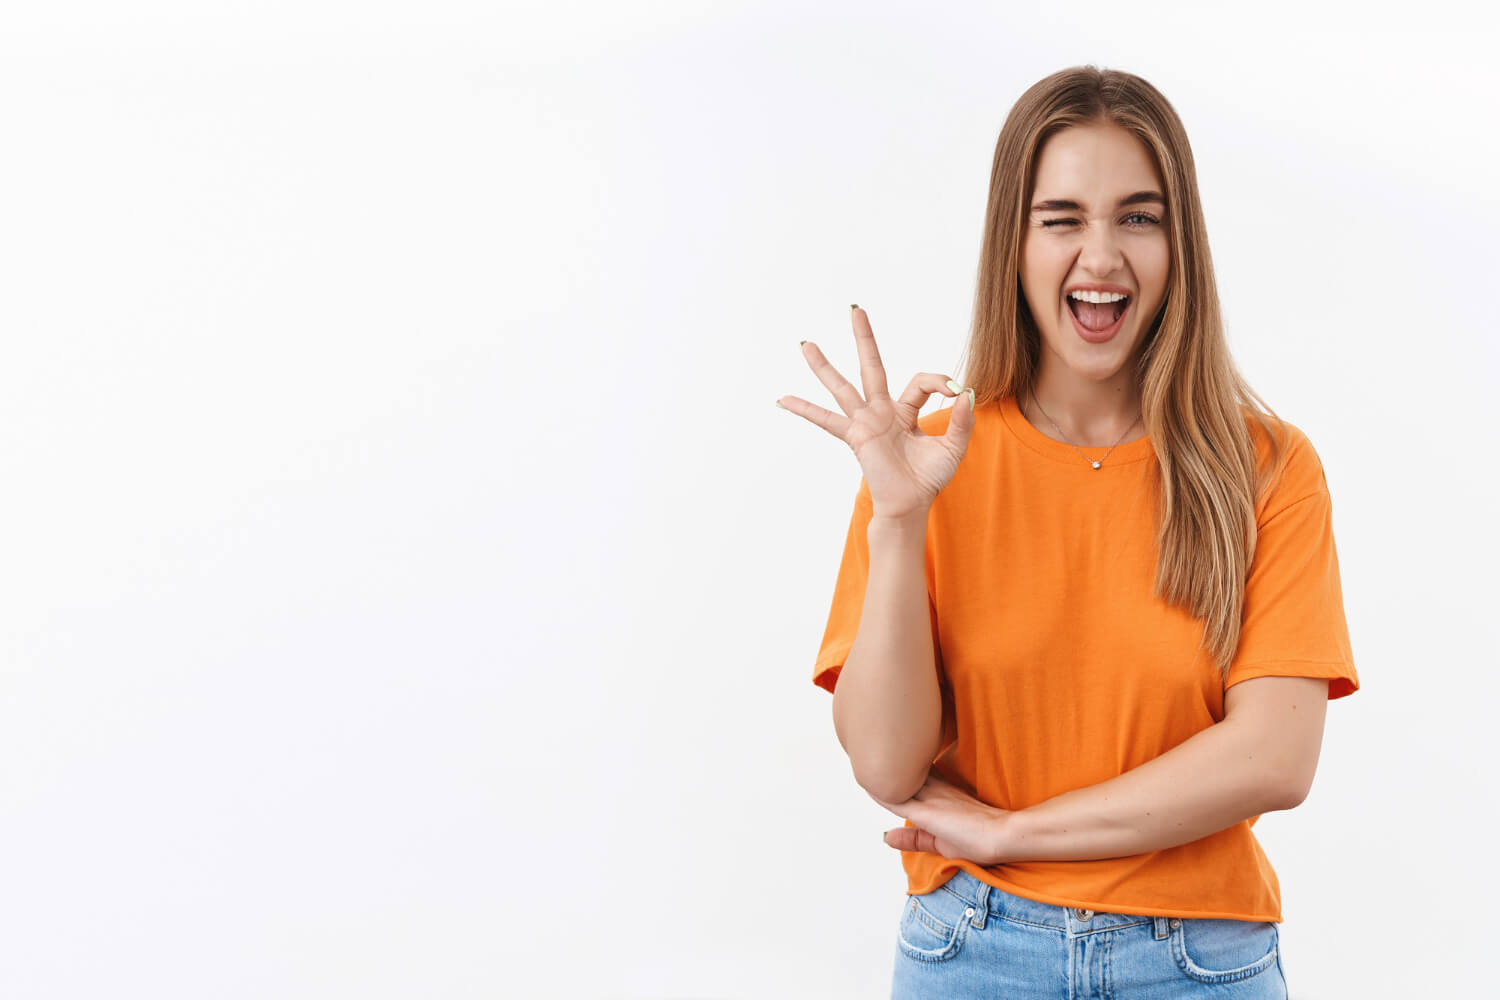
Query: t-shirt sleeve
[
  {"x": 849, "y": 597},
  {"x": 1293, "y": 623}
]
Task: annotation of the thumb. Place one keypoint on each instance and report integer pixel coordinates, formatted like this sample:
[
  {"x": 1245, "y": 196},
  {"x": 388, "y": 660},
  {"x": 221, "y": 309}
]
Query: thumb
[
  {"x": 961, "y": 421},
  {"x": 908, "y": 838}
]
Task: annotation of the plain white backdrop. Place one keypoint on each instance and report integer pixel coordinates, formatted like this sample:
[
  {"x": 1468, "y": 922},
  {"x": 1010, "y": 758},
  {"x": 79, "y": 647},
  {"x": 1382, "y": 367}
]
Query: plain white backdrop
[{"x": 409, "y": 589}]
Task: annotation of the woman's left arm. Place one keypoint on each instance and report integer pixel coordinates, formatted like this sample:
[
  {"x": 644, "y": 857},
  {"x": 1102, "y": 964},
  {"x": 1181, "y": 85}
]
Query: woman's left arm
[{"x": 1259, "y": 759}]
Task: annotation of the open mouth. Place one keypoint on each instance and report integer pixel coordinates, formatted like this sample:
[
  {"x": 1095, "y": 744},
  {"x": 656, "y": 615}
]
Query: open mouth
[{"x": 1097, "y": 316}]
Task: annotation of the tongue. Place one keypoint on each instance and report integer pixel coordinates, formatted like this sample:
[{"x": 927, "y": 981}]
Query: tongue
[{"x": 1097, "y": 315}]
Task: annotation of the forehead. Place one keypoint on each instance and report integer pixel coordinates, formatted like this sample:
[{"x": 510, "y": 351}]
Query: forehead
[{"x": 1094, "y": 164}]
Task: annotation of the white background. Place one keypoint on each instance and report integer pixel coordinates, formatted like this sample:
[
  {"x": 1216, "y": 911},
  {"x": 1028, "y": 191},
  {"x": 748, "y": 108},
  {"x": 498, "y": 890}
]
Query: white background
[{"x": 408, "y": 588}]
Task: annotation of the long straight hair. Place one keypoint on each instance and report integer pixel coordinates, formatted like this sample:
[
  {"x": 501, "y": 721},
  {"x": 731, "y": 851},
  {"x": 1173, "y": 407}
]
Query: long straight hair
[{"x": 1194, "y": 402}]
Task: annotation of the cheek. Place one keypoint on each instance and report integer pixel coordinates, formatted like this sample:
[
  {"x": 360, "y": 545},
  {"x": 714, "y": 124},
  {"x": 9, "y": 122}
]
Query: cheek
[
  {"x": 1043, "y": 272},
  {"x": 1156, "y": 264}
]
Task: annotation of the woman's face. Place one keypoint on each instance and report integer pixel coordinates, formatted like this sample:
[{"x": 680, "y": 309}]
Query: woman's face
[{"x": 1103, "y": 237}]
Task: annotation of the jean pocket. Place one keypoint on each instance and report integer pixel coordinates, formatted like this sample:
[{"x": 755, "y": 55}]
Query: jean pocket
[
  {"x": 934, "y": 925},
  {"x": 1223, "y": 951}
]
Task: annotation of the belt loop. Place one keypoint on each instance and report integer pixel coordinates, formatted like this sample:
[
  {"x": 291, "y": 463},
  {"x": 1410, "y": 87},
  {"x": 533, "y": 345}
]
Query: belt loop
[
  {"x": 1161, "y": 928},
  {"x": 981, "y": 903}
]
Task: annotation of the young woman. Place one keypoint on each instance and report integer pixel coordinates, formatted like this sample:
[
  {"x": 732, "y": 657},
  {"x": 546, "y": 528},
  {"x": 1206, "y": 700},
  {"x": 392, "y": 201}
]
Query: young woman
[{"x": 1088, "y": 619}]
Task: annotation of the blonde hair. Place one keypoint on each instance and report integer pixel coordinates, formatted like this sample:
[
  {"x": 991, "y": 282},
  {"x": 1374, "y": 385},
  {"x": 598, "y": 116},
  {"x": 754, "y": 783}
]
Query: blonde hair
[{"x": 1194, "y": 402}]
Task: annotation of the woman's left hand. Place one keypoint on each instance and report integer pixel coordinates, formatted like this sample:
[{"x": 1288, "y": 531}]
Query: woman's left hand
[{"x": 950, "y": 822}]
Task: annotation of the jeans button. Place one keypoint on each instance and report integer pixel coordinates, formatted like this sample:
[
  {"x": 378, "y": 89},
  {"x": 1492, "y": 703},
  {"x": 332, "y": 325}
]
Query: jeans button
[
  {"x": 1082, "y": 914},
  {"x": 1176, "y": 923}
]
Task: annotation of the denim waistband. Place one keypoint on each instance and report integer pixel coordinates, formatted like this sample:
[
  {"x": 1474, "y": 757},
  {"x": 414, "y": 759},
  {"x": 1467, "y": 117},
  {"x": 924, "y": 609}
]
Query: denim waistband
[{"x": 988, "y": 899}]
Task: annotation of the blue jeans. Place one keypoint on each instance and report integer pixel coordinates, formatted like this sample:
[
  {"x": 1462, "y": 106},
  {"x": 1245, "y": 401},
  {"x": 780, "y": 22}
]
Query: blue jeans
[{"x": 967, "y": 938}]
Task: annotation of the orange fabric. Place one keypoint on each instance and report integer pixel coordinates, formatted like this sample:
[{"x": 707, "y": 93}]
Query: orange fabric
[{"x": 1060, "y": 669}]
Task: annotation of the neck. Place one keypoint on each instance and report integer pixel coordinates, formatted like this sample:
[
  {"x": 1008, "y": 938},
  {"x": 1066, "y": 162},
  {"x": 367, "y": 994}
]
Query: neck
[{"x": 1090, "y": 415}]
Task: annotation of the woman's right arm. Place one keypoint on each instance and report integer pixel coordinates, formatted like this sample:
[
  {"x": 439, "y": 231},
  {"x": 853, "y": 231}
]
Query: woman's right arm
[
  {"x": 887, "y": 705},
  {"x": 887, "y": 708}
]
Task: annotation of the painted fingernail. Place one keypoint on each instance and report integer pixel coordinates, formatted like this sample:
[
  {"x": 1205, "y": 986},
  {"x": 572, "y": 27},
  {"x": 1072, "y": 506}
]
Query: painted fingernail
[
  {"x": 954, "y": 387},
  {"x": 801, "y": 342},
  {"x": 778, "y": 403},
  {"x": 853, "y": 306},
  {"x": 970, "y": 391}
]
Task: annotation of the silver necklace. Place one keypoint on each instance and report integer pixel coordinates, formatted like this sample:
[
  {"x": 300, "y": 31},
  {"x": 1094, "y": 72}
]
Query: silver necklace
[{"x": 1095, "y": 462}]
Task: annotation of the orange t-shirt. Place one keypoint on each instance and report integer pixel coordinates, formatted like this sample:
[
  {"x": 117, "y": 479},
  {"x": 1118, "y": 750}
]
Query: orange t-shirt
[{"x": 1061, "y": 669}]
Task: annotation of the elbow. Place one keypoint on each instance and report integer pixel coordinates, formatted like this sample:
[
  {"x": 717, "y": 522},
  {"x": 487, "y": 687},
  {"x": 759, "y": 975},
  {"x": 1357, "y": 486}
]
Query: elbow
[
  {"x": 1290, "y": 800},
  {"x": 890, "y": 770},
  {"x": 1297, "y": 795},
  {"x": 1291, "y": 791},
  {"x": 890, "y": 785}
]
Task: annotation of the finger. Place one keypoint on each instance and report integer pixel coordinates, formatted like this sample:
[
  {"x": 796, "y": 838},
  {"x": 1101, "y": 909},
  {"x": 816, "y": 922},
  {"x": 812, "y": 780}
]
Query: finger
[
  {"x": 961, "y": 422},
  {"x": 911, "y": 838},
  {"x": 871, "y": 371},
  {"x": 919, "y": 813},
  {"x": 834, "y": 423},
  {"x": 938, "y": 787},
  {"x": 848, "y": 397},
  {"x": 922, "y": 386}
]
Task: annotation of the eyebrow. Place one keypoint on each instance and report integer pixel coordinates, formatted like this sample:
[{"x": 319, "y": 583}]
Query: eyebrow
[{"x": 1064, "y": 205}]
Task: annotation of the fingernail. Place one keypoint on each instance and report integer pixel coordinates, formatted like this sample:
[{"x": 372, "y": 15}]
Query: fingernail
[
  {"x": 853, "y": 306},
  {"x": 954, "y": 387},
  {"x": 801, "y": 342},
  {"x": 778, "y": 403},
  {"x": 970, "y": 391}
]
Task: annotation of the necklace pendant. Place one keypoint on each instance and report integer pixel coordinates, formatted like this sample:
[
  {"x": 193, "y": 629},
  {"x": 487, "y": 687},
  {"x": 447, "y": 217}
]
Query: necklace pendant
[{"x": 1096, "y": 465}]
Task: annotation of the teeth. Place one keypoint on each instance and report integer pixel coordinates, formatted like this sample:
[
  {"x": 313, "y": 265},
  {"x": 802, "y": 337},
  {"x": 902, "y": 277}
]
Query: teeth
[{"x": 1084, "y": 296}]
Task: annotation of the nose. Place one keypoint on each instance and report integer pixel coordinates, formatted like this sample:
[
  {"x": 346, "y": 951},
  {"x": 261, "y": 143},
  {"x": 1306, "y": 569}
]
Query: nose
[{"x": 1101, "y": 251}]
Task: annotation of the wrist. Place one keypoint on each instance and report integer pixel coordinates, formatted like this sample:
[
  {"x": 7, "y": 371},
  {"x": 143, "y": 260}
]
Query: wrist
[
  {"x": 1008, "y": 835},
  {"x": 901, "y": 525}
]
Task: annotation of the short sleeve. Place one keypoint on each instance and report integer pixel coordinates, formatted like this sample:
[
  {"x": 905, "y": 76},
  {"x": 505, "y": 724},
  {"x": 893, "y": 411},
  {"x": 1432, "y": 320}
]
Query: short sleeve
[
  {"x": 849, "y": 597},
  {"x": 1293, "y": 623}
]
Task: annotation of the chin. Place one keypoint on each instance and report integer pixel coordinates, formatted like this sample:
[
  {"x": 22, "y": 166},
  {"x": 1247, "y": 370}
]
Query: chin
[{"x": 1098, "y": 361}]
